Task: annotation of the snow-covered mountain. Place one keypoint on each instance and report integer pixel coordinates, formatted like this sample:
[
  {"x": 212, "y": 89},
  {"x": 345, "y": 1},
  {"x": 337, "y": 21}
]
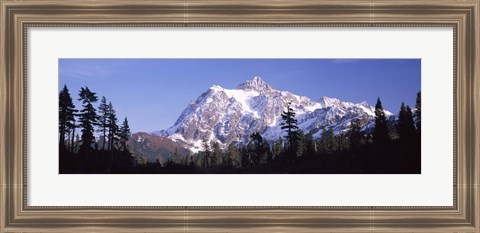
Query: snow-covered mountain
[{"x": 231, "y": 115}]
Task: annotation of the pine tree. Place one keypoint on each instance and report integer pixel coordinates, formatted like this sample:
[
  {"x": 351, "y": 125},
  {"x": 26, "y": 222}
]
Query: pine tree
[
  {"x": 66, "y": 113},
  {"x": 125, "y": 134},
  {"x": 103, "y": 119},
  {"x": 88, "y": 118},
  {"x": 112, "y": 126},
  {"x": 380, "y": 133},
  {"x": 289, "y": 124}
]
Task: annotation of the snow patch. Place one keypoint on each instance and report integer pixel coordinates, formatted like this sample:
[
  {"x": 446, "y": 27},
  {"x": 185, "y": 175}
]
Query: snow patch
[{"x": 243, "y": 98}]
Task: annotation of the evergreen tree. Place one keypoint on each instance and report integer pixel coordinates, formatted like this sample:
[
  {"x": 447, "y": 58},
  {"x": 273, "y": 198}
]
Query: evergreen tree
[
  {"x": 289, "y": 124},
  {"x": 405, "y": 125},
  {"x": 77, "y": 143},
  {"x": 328, "y": 142},
  {"x": 418, "y": 113},
  {"x": 88, "y": 118},
  {"x": 267, "y": 156},
  {"x": 112, "y": 126},
  {"x": 277, "y": 148},
  {"x": 260, "y": 149},
  {"x": 323, "y": 144},
  {"x": 355, "y": 136},
  {"x": 332, "y": 141},
  {"x": 234, "y": 156},
  {"x": 66, "y": 113},
  {"x": 125, "y": 134},
  {"x": 72, "y": 130},
  {"x": 310, "y": 145},
  {"x": 207, "y": 153},
  {"x": 217, "y": 154},
  {"x": 176, "y": 156},
  {"x": 103, "y": 119},
  {"x": 256, "y": 147},
  {"x": 380, "y": 133},
  {"x": 301, "y": 147},
  {"x": 343, "y": 142}
]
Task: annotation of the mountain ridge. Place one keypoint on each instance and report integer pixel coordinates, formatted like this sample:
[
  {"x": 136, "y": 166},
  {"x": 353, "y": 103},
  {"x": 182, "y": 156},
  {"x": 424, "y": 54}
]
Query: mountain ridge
[{"x": 231, "y": 115}]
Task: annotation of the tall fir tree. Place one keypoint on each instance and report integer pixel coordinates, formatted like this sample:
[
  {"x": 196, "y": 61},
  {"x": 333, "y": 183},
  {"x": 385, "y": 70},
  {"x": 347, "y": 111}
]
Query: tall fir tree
[
  {"x": 66, "y": 114},
  {"x": 88, "y": 118},
  {"x": 289, "y": 124},
  {"x": 380, "y": 132},
  {"x": 112, "y": 126},
  {"x": 103, "y": 109},
  {"x": 125, "y": 134}
]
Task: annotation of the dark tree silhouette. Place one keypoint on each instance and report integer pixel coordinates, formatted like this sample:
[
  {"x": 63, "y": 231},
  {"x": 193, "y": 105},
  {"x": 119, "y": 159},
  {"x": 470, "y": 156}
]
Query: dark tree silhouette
[
  {"x": 112, "y": 126},
  {"x": 418, "y": 112},
  {"x": 234, "y": 159},
  {"x": 104, "y": 113},
  {"x": 88, "y": 118},
  {"x": 207, "y": 154},
  {"x": 217, "y": 154},
  {"x": 405, "y": 125},
  {"x": 277, "y": 149},
  {"x": 66, "y": 114},
  {"x": 355, "y": 135},
  {"x": 380, "y": 133},
  {"x": 310, "y": 145},
  {"x": 289, "y": 124},
  {"x": 125, "y": 134}
]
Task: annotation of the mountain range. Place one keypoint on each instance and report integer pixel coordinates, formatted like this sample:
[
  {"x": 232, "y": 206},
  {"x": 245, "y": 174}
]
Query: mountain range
[{"x": 232, "y": 115}]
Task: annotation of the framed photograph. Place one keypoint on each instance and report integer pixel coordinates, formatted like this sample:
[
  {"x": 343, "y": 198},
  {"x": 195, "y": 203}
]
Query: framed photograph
[{"x": 239, "y": 116}]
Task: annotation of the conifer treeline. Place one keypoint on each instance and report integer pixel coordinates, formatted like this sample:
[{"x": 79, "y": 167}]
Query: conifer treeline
[
  {"x": 85, "y": 154},
  {"x": 392, "y": 146}
]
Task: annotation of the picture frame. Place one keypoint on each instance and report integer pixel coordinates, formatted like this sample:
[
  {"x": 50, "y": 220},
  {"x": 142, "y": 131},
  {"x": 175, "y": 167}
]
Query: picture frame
[{"x": 17, "y": 16}]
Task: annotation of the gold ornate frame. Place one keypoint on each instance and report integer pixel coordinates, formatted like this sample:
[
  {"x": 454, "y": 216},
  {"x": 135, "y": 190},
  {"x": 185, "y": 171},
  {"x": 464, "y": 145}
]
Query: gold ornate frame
[{"x": 17, "y": 16}]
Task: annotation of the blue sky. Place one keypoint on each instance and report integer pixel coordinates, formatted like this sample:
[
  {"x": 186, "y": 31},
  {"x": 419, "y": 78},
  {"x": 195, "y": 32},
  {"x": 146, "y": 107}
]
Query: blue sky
[{"x": 153, "y": 92}]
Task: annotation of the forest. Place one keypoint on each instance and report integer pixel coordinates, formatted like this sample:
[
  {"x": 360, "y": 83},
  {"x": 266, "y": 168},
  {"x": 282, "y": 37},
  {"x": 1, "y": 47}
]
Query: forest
[{"x": 392, "y": 146}]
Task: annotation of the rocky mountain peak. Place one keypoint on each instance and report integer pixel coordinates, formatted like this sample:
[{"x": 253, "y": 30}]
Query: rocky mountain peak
[
  {"x": 232, "y": 115},
  {"x": 255, "y": 84},
  {"x": 328, "y": 102}
]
